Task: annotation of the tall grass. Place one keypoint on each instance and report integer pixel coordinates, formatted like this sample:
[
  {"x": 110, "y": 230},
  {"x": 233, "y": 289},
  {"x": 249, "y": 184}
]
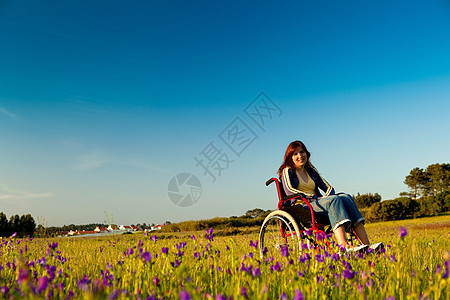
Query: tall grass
[{"x": 202, "y": 265}]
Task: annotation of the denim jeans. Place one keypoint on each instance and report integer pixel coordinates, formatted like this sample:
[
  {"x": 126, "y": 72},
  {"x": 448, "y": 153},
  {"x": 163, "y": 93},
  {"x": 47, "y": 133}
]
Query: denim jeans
[{"x": 341, "y": 209}]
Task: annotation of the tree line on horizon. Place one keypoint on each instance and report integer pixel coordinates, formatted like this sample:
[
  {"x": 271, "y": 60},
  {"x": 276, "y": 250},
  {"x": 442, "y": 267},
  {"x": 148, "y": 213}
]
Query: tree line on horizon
[
  {"x": 428, "y": 195},
  {"x": 23, "y": 226}
]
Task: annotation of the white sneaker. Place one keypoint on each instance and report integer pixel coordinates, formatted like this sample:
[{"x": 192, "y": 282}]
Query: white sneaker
[
  {"x": 357, "y": 249},
  {"x": 376, "y": 247}
]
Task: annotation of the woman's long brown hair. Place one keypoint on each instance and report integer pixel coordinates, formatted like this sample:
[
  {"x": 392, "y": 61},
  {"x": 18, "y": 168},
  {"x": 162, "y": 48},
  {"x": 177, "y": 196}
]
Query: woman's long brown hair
[{"x": 287, "y": 162}]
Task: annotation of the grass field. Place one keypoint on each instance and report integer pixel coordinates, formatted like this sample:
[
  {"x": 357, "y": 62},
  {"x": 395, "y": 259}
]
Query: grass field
[{"x": 201, "y": 266}]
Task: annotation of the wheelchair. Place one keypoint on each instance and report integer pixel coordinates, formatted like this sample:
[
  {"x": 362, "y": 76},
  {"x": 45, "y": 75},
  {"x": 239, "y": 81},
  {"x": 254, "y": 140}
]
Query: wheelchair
[{"x": 292, "y": 225}]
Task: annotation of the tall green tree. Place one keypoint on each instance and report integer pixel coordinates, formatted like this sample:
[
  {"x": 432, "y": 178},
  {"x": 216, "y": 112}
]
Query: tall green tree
[
  {"x": 28, "y": 225},
  {"x": 438, "y": 178},
  {"x": 417, "y": 181},
  {"x": 367, "y": 200},
  {"x": 4, "y": 225}
]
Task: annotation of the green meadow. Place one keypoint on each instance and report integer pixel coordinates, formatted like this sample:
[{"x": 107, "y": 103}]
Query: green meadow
[{"x": 199, "y": 265}]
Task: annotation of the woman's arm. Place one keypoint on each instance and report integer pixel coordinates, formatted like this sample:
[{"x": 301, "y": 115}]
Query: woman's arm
[{"x": 322, "y": 184}]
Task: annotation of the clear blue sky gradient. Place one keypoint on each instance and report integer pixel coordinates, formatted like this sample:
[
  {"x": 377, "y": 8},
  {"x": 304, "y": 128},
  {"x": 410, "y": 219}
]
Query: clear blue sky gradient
[{"x": 103, "y": 102}]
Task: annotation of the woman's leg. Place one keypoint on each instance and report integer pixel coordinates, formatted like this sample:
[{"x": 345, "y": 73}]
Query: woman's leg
[
  {"x": 339, "y": 234},
  {"x": 356, "y": 218},
  {"x": 352, "y": 209},
  {"x": 361, "y": 233},
  {"x": 337, "y": 214}
]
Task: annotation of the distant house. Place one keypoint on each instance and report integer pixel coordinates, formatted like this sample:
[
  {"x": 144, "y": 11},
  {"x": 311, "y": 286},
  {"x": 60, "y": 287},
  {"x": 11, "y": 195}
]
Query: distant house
[
  {"x": 156, "y": 227},
  {"x": 100, "y": 229},
  {"x": 126, "y": 228}
]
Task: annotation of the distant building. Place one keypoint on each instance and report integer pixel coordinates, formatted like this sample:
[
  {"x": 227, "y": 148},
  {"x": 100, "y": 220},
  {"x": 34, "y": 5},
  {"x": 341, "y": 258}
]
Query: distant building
[
  {"x": 100, "y": 229},
  {"x": 156, "y": 227},
  {"x": 126, "y": 228}
]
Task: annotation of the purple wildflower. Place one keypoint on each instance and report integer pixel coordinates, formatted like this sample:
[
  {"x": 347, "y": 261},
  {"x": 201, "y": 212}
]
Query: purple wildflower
[
  {"x": 245, "y": 269},
  {"x": 184, "y": 295},
  {"x": 447, "y": 267},
  {"x": 298, "y": 295},
  {"x": 347, "y": 265},
  {"x": 83, "y": 283},
  {"x": 403, "y": 232},
  {"x": 196, "y": 254},
  {"x": 348, "y": 274},
  {"x": 319, "y": 278},
  {"x": 114, "y": 294},
  {"x": 175, "y": 264},
  {"x": 335, "y": 256},
  {"x": 283, "y": 296},
  {"x": 256, "y": 272},
  {"x": 393, "y": 259},
  {"x": 304, "y": 246},
  {"x": 146, "y": 256},
  {"x": 52, "y": 245},
  {"x": 156, "y": 281},
  {"x": 193, "y": 237},
  {"x": 51, "y": 271},
  {"x": 4, "y": 290},
  {"x": 209, "y": 234},
  {"x": 438, "y": 268},
  {"x": 70, "y": 295},
  {"x": 42, "y": 284},
  {"x": 181, "y": 245},
  {"x": 264, "y": 251},
  {"x": 244, "y": 292},
  {"x": 154, "y": 238},
  {"x": 165, "y": 250},
  {"x": 140, "y": 243},
  {"x": 284, "y": 250},
  {"x": 129, "y": 252},
  {"x": 320, "y": 258},
  {"x": 320, "y": 235},
  {"x": 252, "y": 244},
  {"x": 277, "y": 267},
  {"x": 360, "y": 288}
]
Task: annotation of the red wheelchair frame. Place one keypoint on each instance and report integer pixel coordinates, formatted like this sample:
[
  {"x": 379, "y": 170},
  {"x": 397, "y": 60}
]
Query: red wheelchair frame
[{"x": 316, "y": 228}]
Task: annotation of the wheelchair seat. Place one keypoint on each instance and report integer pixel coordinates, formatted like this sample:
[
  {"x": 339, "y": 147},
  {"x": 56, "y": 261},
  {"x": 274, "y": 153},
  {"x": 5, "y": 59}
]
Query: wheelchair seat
[{"x": 303, "y": 214}]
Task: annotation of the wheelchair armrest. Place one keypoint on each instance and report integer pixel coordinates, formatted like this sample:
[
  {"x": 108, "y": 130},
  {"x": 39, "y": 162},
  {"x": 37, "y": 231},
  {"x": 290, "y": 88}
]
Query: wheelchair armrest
[{"x": 293, "y": 196}]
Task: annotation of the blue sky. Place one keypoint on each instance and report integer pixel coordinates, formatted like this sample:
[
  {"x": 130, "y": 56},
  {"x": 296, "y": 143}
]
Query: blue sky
[{"x": 102, "y": 103}]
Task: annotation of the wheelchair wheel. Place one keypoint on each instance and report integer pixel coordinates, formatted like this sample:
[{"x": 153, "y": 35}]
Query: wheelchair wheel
[{"x": 278, "y": 229}]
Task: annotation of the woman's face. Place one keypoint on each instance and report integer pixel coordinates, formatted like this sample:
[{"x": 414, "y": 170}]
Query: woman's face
[{"x": 299, "y": 157}]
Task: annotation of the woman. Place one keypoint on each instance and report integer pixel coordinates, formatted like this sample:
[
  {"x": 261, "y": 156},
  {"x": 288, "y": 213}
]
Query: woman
[{"x": 298, "y": 175}]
